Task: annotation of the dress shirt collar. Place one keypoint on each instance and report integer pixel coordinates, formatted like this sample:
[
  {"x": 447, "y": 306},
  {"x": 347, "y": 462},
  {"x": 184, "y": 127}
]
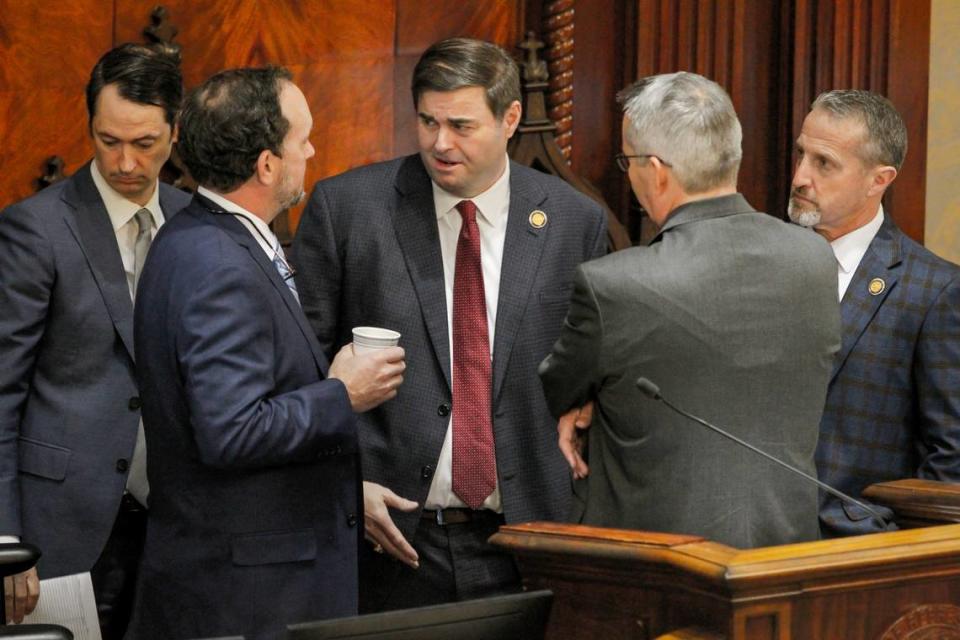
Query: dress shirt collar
[
  {"x": 492, "y": 205},
  {"x": 121, "y": 210},
  {"x": 851, "y": 247},
  {"x": 255, "y": 225}
]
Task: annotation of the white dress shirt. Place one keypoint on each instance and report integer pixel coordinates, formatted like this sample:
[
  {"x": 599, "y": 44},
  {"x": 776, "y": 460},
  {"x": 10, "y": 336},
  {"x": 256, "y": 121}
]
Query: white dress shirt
[
  {"x": 493, "y": 205},
  {"x": 849, "y": 250},
  {"x": 259, "y": 229},
  {"x": 122, "y": 214}
]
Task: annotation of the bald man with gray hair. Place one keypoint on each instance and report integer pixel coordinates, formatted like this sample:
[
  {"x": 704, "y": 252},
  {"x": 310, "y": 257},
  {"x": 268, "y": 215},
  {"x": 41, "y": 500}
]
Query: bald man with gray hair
[{"x": 724, "y": 311}]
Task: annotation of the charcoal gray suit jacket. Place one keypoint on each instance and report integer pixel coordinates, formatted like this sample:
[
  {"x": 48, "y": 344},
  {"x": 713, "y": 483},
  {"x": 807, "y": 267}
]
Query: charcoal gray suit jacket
[
  {"x": 69, "y": 406},
  {"x": 367, "y": 252},
  {"x": 734, "y": 315}
]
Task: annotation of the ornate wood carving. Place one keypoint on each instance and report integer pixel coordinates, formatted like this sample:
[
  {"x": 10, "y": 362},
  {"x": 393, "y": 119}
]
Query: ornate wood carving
[
  {"x": 558, "y": 26},
  {"x": 161, "y": 31},
  {"x": 534, "y": 145},
  {"x": 52, "y": 172},
  {"x": 928, "y": 622}
]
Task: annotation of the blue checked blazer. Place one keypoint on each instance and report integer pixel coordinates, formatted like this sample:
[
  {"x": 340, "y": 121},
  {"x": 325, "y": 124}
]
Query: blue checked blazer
[{"x": 893, "y": 405}]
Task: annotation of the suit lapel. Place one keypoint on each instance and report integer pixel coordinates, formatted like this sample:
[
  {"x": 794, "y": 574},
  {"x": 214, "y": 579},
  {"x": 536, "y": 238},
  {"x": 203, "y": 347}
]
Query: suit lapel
[
  {"x": 859, "y": 306},
  {"x": 521, "y": 256},
  {"x": 90, "y": 224},
  {"x": 415, "y": 225},
  {"x": 235, "y": 229}
]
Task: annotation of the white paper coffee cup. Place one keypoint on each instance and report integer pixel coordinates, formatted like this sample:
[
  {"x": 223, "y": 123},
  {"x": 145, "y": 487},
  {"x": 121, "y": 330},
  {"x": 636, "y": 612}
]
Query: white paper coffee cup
[{"x": 372, "y": 338}]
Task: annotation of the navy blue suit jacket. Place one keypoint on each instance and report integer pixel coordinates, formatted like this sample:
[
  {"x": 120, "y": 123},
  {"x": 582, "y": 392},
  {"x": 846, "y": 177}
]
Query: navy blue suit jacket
[
  {"x": 893, "y": 404},
  {"x": 252, "y": 454},
  {"x": 68, "y": 395}
]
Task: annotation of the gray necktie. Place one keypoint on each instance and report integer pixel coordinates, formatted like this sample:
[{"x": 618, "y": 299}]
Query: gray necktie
[
  {"x": 137, "y": 483},
  {"x": 142, "y": 244}
]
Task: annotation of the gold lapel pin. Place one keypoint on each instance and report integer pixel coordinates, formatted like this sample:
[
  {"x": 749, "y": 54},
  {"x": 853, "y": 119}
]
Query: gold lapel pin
[
  {"x": 876, "y": 286},
  {"x": 538, "y": 219}
]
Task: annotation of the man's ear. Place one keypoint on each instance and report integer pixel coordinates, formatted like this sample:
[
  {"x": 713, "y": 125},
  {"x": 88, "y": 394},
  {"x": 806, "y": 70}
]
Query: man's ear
[
  {"x": 661, "y": 173},
  {"x": 511, "y": 117},
  {"x": 268, "y": 167},
  {"x": 882, "y": 177}
]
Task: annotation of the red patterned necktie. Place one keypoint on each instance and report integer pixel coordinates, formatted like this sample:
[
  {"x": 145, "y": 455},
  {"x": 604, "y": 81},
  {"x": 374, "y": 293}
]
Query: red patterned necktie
[{"x": 474, "y": 461}]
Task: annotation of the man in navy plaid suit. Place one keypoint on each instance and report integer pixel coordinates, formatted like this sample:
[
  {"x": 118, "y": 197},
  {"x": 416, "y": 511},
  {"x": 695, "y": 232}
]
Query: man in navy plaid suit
[{"x": 893, "y": 405}]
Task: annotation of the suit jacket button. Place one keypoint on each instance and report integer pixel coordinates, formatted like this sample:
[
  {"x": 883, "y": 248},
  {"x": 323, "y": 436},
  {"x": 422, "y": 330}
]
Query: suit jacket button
[
  {"x": 122, "y": 465},
  {"x": 443, "y": 410},
  {"x": 134, "y": 403},
  {"x": 351, "y": 520},
  {"x": 426, "y": 472}
]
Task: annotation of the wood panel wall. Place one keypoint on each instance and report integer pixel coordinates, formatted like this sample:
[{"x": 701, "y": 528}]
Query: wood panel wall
[
  {"x": 354, "y": 60},
  {"x": 882, "y": 46},
  {"x": 42, "y": 107},
  {"x": 773, "y": 57}
]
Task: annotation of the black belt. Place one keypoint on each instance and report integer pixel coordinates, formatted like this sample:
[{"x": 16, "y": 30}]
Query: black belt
[{"x": 455, "y": 515}]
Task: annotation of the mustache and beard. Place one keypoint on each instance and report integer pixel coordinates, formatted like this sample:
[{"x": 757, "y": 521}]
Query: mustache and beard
[
  {"x": 803, "y": 212},
  {"x": 290, "y": 193}
]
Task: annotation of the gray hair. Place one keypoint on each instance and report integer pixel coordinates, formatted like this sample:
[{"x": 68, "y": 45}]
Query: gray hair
[
  {"x": 886, "y": 134},
  {"x": 688, "y": 121}
]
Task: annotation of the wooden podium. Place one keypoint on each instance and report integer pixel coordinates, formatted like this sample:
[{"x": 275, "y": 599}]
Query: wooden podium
[{"x": 612, "y": 584}]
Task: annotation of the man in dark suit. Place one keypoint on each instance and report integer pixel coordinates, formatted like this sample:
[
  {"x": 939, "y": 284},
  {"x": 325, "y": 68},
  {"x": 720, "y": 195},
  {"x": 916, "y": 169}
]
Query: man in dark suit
[
  {"x": 255, "y": 507},
  {"x": 72, "y": 467},
  {"x": 893, "y": 407},
  {"x": 469, "y": 257},
  {"x": 728, "y": 310}
]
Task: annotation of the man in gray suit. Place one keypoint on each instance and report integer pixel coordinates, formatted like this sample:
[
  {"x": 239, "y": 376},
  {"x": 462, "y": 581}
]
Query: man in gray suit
[
  {"x": 470, "y": 257},
  {"x": 72, "y": 474},
  {"x": 725, "y": 312}
]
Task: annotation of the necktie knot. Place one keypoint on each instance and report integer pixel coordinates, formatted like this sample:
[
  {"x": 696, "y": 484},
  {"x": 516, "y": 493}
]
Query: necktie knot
[
  {"x": 468, "y": 211},
  {"x": 144, "y": 220}
]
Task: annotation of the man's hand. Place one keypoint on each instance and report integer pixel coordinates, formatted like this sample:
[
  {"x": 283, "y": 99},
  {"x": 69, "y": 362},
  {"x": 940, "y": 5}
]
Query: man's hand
[
  {"x": 380, "y": 529},
  {"x": 22, "y": 592},
  {"x": 371, "y": 378},
  {"x": 571, "y": 430}
]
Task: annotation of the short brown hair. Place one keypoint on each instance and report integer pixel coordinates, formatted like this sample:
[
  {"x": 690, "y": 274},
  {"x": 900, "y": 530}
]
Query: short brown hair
[{"x": 457, "y": 63}]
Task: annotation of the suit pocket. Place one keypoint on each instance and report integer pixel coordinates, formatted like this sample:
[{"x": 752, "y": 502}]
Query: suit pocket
[
  {"x": 272, "y": 548},
  {"x": 42, "y": 459}
]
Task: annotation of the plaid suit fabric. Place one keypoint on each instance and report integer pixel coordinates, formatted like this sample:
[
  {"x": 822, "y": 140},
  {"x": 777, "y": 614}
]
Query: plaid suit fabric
[
  {"x": 893, "y": 405},
  {"x": 367, "y": 252}
]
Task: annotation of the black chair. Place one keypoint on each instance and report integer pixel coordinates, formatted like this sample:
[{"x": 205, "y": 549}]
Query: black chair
[{"x": 17, "y": 557}]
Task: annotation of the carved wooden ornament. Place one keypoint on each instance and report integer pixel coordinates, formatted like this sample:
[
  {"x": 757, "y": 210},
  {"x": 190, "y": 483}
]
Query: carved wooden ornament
[{"x": 926, "y": 622}]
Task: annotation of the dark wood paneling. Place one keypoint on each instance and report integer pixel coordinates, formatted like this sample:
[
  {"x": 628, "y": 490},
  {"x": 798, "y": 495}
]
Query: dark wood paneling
[
  {"x": 340, "y": 52},
  {"x": 46, "y": 64},
  {"x": 878, "y": 45},
  {"x": 420, "y": 24},
  {"x": 598, "y": 38}
]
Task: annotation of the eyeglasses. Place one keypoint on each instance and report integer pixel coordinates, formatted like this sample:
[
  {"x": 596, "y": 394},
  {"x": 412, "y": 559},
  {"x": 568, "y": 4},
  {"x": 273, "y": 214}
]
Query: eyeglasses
[{"x": 623, "y": 160}]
